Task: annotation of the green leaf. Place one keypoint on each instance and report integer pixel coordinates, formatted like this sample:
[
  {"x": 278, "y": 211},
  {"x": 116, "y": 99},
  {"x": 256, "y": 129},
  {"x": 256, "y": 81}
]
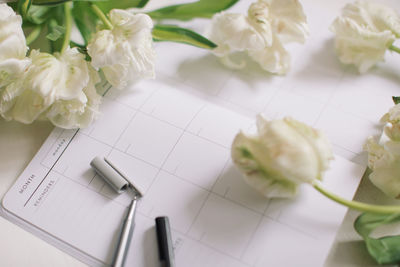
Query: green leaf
[
  {"x": 56, "y": 32},
  {"x": 39, "y": 14},
  {"x": 176, "y": 34},
  {"x": 384, "y": 250},
  {"x": 396, "y": 99},
  {"x": 58, "y": 2},
  {"x": 106, "y": 6},
  {"x": 49, "y": 2},
  {"x": 85, "y": 20},
  {"x": 56, "y": 19},
  {"x": 199, "y": 9}
]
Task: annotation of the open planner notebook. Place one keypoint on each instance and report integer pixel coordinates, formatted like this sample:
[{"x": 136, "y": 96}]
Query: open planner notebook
[{"x": 172, "y": 137}]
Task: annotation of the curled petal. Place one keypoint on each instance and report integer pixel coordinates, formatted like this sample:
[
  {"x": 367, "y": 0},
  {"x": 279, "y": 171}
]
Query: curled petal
[
  {"x": 386, "y": 177},
  {"x": 12, "y": 38},
  {"x": 59, "y": 76},
  {"x": 78, "y": 112},
  {"x": 13, "y": 47},
  {"x": 316, "y": 139},
  {"x": 268, "y": 182},
  {"x": 392, "y": 130},
  {"x": 27, "y": 107},
  {"x": 105, "y": 49},
  {"x": 234, "y": 33},
  {"x": 117, "y": 75},
  {"x": 11, "y": 69},
  {"x": 393, "y": 115},
  {"x": 287, "y": 18},
  {"x": 373, "y": 16},
  {"x": 274, "y": 59}
]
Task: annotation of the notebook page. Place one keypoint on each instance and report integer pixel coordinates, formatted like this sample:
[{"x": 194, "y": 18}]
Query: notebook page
[{"x": 179, "y": 156}]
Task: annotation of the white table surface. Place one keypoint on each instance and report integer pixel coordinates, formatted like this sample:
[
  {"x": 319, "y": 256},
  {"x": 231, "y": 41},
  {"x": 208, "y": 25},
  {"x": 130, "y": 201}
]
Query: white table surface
[{"x": 18, "y": 145}]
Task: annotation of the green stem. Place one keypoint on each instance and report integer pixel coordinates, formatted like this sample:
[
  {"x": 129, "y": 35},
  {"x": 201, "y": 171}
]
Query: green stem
[
  {"x": 68, "y": 25},
  {"x": 101, "y": 16},
  {"x": 357, "y": 205},
  {"x": 23, "y": 7},
  {"x": 394, "y": 49},
  {"x": 33, "y": 35}
]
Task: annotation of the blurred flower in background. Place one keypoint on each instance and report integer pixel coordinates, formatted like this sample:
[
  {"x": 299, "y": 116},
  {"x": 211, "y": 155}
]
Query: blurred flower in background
[
  {"x": 384, "y": 155},
  {"x": 364, "y": 32}
]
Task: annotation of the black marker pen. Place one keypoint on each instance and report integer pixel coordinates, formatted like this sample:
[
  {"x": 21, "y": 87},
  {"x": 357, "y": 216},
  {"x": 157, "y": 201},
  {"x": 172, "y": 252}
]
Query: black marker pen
[{"x": 165, "y": 249}]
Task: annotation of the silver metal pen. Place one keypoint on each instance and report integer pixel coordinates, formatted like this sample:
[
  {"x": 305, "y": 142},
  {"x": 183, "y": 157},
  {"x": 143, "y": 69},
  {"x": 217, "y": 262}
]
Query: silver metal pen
[
  {"x": 126, "y": 235},
  {"x": 119, "y": 183}
]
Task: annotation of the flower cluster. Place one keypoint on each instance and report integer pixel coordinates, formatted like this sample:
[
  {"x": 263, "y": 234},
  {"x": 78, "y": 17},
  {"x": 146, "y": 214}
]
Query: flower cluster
[
  {"x": 364, "y": 32},
  {"x": 61, "y": 87},
  {"x": 384, "y": 155},
  {"x": 268, "y": 25},
  {"x": 58, "y": 87},
  {"x": 283, "y": 154}
]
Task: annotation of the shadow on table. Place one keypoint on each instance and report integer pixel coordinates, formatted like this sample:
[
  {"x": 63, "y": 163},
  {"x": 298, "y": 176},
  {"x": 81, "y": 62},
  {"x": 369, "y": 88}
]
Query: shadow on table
[{"x": 207, "y": 74}]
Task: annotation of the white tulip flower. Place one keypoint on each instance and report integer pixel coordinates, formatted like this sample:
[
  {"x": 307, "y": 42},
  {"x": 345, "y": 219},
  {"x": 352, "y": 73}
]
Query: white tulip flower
[
  {"x": 13, "y": 47},
  {"x": 283, "y": 154},
  {"x": 364, "y": 32},
  {"x": 49, "y": 85},
  {"x": 234, "y": 33},
  {"x": 384, "y": 161},
  {"x": 384, "y": 155},
  {"x": 124, "y": 53},
  {"x": 261, "y": 33},
  {"x": 392, "y": 120},
  {"x": 393, "y": 115}
]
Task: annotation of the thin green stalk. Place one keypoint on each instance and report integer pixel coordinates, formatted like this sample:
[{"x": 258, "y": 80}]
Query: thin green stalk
[
  {"x": 33, "y": 35},
  {"x": 101, "y": 16},
  {"x": 68, "y": 25},
  {"x": 394, "y": 48},
  {"x": 378, "y": 209}
]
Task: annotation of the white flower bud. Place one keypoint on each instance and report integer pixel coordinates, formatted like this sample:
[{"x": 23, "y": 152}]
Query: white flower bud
[
  {"x": 283, "y": 154},
  {"x": 384, "y": 161}
]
